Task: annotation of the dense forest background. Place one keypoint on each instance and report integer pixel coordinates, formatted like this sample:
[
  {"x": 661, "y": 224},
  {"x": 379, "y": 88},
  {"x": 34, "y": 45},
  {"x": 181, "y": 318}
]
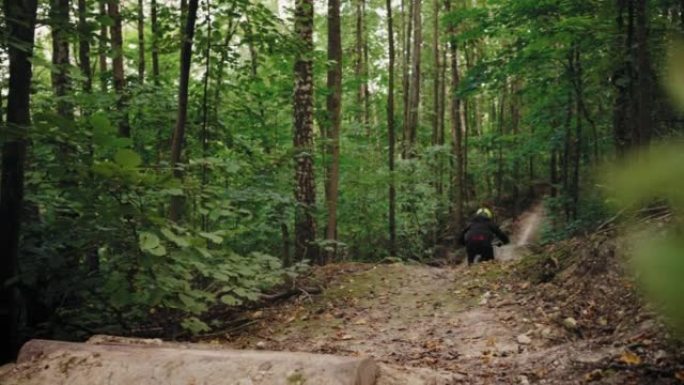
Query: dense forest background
[{"x": 160, "y": 159}]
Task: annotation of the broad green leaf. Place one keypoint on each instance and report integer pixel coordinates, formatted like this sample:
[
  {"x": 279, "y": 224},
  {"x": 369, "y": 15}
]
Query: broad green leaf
[
  {"x": 180, "y": 241},
  {"x": 148, "y": 240},
  {"x": 230, "y": 300},
  {"x": 212, "y": 237},
  {"x": 127, "y": 158},
  {"x": 195, "y": 325}
]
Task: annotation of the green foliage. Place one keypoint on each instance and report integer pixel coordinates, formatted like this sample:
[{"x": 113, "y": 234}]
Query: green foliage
[{"x": 646, "y": 177}]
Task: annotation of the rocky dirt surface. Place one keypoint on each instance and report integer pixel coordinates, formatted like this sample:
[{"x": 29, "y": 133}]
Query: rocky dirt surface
[{"x": 562, "y": 315}]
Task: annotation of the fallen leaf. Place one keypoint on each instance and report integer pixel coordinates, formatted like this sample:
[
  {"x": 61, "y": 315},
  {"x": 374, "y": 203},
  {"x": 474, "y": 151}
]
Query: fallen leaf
[
  {"x": 594, "y": 375},
  {"x": 630, "y": 358},
  {"x": 570, "y": 323},
  {"x": 524, "y": 340},
  {"x": 361, "y": 321},
  {"x": 680, "y": 375}
]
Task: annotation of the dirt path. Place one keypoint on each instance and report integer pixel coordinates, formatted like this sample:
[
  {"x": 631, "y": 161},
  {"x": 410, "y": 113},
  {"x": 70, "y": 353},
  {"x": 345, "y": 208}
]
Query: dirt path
[{"x": 434, "y": 325}]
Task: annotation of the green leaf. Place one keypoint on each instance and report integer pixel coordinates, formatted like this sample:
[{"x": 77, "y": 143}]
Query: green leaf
[
  {"x": 180, "y": 241},
  {"x": 212, "y": 237},
  {"x": 151, "y": 244},
  {"x": 195, "y": 325},
  {"x": 230, "y": 300},
  {"x": 127, "y": 158},
  {"x": 148, "y": 240}
]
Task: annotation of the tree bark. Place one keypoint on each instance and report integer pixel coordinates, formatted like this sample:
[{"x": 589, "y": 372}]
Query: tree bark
[
  {"x": 141, "y": 41},
  {"x": 84, "y": 46},
  {"x": 435, "y": 75},
  {"x": 305, "y": 189},
  {"x": 178, "y": 139},
  {"x": 366, "y": 76},
  {"x": 456, "y": 131},
  {"x": 20, "y": 19},
  {"x": 414, "y": 86},
  {"x": 642, "y": 128},
  {"x": 391, "y": 134},
  {"x": 578, "y": 137},
  {"x": 205, "y": 112},
  {"x": 118, "y": 66},
  {"x": 408, "y": 32},
  {"x": 61, "y": 84},
  {"x": 334, "y": 105},
  {"x": 102, "y": 49},
  {"x": 358, "y": 62},
  {"x": 621, "y": 104},
  {"x": 155, "y": 41}
]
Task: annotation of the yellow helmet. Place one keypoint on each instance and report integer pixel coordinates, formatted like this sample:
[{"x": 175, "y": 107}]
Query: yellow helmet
[{"x": 484, "y": 212}]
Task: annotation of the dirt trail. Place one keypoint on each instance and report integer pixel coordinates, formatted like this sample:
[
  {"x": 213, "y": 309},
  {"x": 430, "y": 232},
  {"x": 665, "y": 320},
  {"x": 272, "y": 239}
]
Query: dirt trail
[{"x": 433, "y": 325}]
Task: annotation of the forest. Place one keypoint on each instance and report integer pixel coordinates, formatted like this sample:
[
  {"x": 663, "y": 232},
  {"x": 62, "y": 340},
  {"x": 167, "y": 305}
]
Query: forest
[{"x": 166, "y": 160}]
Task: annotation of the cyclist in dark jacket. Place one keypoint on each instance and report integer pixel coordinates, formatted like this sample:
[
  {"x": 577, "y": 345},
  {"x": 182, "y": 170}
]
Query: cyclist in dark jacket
[{"x": 479, "y": 234}]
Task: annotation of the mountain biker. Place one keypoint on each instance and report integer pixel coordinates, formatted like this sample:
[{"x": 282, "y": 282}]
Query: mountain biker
[{"x": 478, "y": 235}]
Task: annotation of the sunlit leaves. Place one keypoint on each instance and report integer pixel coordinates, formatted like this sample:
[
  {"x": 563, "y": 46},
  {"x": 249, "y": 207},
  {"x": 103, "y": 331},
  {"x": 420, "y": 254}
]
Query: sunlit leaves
[{"x": 150, "y": 243}]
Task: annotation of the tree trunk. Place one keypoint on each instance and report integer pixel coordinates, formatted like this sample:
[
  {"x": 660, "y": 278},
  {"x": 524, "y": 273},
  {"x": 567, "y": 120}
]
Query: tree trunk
[
  {"x": 553, "y": 171},
  {"x": 620, "y": 79},
  {"x": 205, "y": 112},
  {"x": 456, "y": 131},
  {"x": 305, "y": 189},
  {"x": 358, "y": 62},
  {"x": 84, "y": 46},
  {"x": 499, "y": 147},
  {"x": 366, "y": 76},
  {"x": 334, "y": 105},
  {"x": 642, "y": 128},
  {"x": 61, "y": 84},
  {"x": 20, "y": 19},
  {"x": 578, "y": 137},
  {"x": 221, "y": 66},
  {"x": 141, "y": 42},
  {"x": 391, "y": 134},
  {"x": 118, "y": 66},
  {"x": 567, "y": 145},
  {"x": 102, "y": 49},
  {"x": 408, "y": 28},
  {"x": 178, "y": 139},
  {"x": 414, "y": 86},
  {"x": 155, "y": 41},
  {"x": 435, "y": 75}
]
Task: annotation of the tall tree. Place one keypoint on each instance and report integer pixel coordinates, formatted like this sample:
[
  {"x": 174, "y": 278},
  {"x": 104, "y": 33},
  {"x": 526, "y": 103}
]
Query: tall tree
[
  {"x": 359, "y": 61},
  {"x": 141, "y": 42},
  {"x": 391, "y": 133},
  {"x": 456, "y": 129},
  {"x": 305, "y": 188},
  {"x": 407, "y": 29},
  {"x": 642, "y": 129},
  {"x": 118, "y": 65},
  {"x": 155, "y": 41},
  {"x": 20, "y": 19},
  {"x": 436, "y": 71},
  {"x": 84, "y": 46},
  {"x": 102, "y": 48},
  {"x": 182, "y": 116},
  {"x": 334, "y": 107},
  {"x": 61, "y": 84},
  {"x": 414, "y": 84},
  {"x": 366, "y": 75}
]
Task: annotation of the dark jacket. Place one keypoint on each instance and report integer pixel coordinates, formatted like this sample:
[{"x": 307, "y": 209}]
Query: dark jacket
[{"x": 482, "y": 229}]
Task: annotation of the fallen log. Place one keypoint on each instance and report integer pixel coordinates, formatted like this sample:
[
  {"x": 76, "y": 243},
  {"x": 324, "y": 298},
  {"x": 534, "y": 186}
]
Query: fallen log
[{"x": 44, "y": 362}]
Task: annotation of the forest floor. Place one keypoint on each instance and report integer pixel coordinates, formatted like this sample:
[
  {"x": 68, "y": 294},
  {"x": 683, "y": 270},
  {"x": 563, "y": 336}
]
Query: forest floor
[{"x": 569, "y": 316}]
